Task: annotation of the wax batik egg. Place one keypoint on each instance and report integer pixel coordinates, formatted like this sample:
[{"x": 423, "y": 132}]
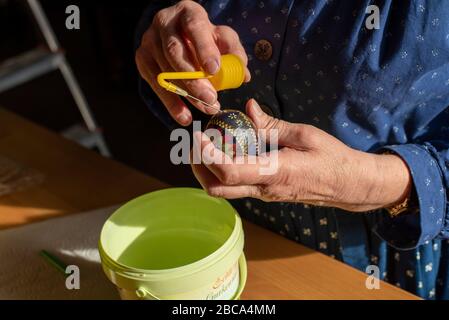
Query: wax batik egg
[{"x": 236, "y": 133}]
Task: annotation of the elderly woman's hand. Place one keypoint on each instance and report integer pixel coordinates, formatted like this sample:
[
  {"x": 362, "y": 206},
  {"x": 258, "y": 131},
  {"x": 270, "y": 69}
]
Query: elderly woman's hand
[
  {"x": 313, "y": 168},
  {"x": 182, "y": 38}
]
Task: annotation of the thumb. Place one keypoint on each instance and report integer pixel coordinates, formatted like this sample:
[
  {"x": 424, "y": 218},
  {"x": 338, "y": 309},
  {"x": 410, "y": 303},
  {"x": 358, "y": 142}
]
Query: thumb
[{"x": 286, "y": 131}]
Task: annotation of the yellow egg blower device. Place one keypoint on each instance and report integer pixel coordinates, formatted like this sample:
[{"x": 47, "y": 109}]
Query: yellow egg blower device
[{"x": 230, "y": 76}]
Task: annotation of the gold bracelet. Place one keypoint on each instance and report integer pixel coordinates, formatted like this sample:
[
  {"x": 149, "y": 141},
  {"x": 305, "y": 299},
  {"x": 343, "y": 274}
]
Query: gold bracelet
[
  {"x": 405, "y": 205},
  {"x": 396, "y": 210}
]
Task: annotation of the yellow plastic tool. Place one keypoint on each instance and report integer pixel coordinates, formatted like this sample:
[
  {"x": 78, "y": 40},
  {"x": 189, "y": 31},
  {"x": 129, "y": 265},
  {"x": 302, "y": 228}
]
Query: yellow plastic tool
[{"x": 230, "y": 76}]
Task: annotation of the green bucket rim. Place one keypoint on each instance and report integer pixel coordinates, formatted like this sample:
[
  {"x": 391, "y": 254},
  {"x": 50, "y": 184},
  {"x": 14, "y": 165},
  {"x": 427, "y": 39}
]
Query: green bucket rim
[{"x": 181, "y": 271}]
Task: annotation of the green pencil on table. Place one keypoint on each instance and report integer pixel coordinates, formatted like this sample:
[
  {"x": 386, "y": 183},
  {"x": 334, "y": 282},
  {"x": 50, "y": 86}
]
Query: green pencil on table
[{"x": 54, "y": 261}]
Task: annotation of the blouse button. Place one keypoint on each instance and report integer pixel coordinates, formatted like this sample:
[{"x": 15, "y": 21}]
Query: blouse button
[{"x": 263, "y": 50}]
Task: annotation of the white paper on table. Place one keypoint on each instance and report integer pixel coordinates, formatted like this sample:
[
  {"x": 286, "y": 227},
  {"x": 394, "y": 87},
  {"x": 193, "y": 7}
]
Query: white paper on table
[{"x": 74, "y": 239}]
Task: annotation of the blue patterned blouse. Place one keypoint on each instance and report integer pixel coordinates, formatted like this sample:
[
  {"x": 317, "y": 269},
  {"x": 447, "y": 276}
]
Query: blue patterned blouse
[{"x": 372, "y": 89}]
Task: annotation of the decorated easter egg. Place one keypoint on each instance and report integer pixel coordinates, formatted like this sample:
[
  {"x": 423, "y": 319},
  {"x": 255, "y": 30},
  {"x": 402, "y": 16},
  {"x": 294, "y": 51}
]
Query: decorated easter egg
[{"x": 237, "y": 134}]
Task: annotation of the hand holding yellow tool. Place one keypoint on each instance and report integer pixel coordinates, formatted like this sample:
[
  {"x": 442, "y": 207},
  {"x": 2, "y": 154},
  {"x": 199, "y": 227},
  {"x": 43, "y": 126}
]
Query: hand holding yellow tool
[{"x": 230, "y": 76}]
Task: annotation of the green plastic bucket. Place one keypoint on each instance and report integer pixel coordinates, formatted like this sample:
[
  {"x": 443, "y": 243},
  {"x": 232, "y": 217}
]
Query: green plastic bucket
[{"x": 175, "y": 244}]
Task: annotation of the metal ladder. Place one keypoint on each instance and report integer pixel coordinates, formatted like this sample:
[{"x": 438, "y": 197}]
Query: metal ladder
[{"x": 39, "y": 61}]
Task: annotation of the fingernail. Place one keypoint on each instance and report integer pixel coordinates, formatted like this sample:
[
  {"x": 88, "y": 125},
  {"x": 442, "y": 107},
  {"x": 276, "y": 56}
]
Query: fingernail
[
  {"x": 208, "y": 96},
  {"x": 184, "y": 119},
  {"x": 211, "y": 66},
  {"x": 257, "y": 110},
  {"x": 247, "y": 75}
]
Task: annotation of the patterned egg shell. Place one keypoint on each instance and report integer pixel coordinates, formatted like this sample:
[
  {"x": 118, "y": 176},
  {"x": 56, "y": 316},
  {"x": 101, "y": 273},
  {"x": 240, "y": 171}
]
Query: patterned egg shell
[{"x": 237, "y": 133}]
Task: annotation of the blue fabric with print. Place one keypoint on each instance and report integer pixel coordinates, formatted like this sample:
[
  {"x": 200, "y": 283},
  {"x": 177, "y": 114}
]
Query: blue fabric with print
[{"x": 372, "y": 89}]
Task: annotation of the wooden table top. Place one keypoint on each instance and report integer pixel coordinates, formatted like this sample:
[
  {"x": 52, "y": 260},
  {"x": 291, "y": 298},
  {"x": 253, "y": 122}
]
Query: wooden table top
[{"x": 77, "y": 179}]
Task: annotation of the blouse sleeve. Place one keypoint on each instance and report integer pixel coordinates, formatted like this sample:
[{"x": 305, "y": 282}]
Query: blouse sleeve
[{"x": 429, "y": 166}]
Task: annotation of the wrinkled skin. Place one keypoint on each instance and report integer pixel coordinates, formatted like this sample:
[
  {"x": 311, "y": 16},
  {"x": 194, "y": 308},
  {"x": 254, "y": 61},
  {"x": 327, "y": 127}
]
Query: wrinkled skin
[
  {"x": 313, "y": 168},
  {"x": 181, "y": 38}
]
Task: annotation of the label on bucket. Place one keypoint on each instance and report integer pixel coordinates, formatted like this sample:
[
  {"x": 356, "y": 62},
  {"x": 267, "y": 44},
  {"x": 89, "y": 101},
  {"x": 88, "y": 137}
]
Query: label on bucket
[{"x": 225, "y": 287}]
